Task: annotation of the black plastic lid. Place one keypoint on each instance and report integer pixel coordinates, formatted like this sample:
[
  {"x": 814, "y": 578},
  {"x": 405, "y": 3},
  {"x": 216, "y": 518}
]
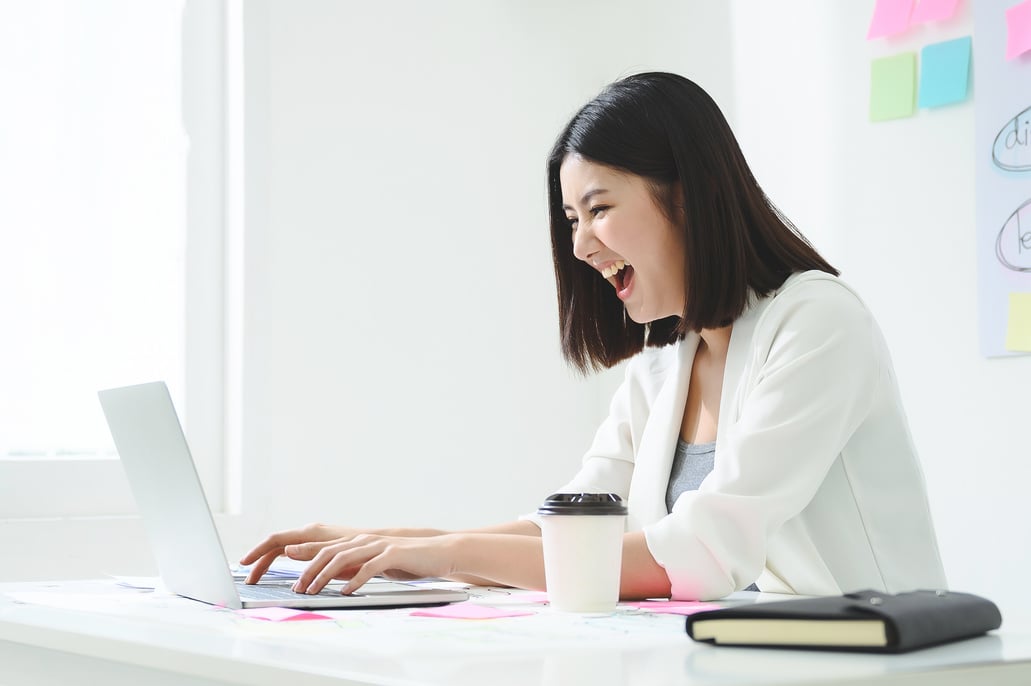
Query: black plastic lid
[{"x": 582, "y": 504}]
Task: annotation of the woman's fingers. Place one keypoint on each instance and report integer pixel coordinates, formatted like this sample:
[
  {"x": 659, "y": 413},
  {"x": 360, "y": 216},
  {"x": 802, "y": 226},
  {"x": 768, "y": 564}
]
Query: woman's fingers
[
  {"x": 259, "y": 550},
  {"x": 305, "y": 551},
  {"x": 275, "y": 543},
  {"x": 365, "y": 556},
  {"x": 303, "y": 544},
  {"x": 334, "y": 561},
  {"x": 400, "y": 559},
  {"x": 374, "y": 566},
  {"x": 265, "y": 553},
  {"x": 261, "y": 565}
]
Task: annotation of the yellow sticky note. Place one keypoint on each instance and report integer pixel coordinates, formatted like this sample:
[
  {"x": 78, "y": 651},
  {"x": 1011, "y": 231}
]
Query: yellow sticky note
[{"x": 1018, "y": 323}]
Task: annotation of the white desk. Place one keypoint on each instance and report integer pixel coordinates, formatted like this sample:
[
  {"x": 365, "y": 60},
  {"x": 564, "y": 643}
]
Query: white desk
[{"x": 96, "y": 633}]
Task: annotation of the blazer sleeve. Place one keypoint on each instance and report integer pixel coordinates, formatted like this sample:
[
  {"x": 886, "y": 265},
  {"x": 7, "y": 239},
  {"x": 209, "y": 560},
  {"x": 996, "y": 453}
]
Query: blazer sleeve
[{"x": 816, "y": 360}]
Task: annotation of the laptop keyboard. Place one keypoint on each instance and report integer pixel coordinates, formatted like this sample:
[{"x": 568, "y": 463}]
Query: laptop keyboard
[{"x": 279, "y": 592}]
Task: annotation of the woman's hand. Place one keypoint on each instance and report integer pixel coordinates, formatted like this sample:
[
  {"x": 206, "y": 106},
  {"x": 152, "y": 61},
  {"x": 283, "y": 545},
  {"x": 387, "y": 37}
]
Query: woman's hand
[
  {"x": 361, "y": 556},
  {"x": 264, "y": 554}
]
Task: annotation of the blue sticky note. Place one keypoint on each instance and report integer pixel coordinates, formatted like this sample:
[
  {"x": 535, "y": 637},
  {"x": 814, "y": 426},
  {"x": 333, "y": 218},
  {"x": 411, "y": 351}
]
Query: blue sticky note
[{"x": 944, "y": 72}]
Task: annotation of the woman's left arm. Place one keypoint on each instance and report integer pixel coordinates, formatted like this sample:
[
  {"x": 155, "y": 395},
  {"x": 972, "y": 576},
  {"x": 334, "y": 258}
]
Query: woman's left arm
[
  {"x": 641, "y": 576},
  {"x": 520, "y": 564}
]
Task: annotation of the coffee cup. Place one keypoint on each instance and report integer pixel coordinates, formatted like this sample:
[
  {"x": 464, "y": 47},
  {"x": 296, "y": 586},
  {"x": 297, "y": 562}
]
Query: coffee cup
[{"x": 583, "y": 550}]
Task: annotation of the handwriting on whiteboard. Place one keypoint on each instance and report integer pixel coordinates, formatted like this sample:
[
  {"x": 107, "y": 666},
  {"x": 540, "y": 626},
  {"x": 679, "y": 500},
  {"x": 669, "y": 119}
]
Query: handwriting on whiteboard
[{"x": 1012, "y": 148}]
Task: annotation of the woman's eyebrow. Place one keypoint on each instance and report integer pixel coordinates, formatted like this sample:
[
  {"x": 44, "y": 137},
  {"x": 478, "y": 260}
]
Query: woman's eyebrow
[{"x": 587, "y": 196}]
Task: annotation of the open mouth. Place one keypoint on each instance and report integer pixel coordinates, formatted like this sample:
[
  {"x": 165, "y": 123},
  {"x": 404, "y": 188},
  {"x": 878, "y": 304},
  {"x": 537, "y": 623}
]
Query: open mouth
[
  {"x": 623, "y": 278},
  {"x": 619, "y": 274}
]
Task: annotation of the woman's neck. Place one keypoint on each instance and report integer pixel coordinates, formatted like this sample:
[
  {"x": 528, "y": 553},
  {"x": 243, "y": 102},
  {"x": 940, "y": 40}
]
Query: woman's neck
[{"x": 717, "y": 341}]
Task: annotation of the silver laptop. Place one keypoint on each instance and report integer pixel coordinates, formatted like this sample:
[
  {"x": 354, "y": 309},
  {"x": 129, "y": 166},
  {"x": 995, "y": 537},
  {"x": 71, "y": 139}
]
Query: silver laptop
[{"x": 181, "y": 530}]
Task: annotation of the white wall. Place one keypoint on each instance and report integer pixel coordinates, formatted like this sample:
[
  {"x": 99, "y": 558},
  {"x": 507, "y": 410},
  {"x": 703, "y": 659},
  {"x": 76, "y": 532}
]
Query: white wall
[
  {"x": 892, "y": 205},
  {"x": 401, "y": 361}
]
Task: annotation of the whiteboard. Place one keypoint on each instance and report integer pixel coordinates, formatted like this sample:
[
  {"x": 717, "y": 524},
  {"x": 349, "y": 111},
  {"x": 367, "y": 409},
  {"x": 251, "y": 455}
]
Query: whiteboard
[{"x": 1002, "y": 144}]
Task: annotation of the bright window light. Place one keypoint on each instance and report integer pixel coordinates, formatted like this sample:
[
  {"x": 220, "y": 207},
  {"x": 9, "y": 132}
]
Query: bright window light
[{"x": 93, "y": 211}]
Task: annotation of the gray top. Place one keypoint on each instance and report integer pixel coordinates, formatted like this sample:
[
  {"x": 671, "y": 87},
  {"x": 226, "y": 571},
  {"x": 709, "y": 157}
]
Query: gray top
[{"x": 691, "y": 463}]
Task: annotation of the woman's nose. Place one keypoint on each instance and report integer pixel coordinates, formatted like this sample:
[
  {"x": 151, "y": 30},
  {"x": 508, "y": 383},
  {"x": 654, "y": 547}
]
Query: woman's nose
[{"x": 585, "y": 244}]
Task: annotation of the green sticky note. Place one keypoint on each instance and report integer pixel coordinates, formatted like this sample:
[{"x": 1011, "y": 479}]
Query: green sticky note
[
  {"x": 944, "y": 72},
  {"x": 893, "y": 87},
  {"x": 1018, "y": 323}
]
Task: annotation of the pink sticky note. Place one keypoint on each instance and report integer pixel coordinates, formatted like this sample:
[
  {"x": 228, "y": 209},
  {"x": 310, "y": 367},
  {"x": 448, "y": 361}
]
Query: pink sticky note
[
  {"x": 890, "y": 17},
  {"x": 933, "y": 10},
  {"x": 1018, "y": 29},
  {"x": 280, "y": 614},
  {"x": 469, "y": 610},
  {"x": 674, "y": 607}
]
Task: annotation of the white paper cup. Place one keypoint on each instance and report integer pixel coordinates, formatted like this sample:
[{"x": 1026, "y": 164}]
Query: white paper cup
[{"x": 583, "y": 550}]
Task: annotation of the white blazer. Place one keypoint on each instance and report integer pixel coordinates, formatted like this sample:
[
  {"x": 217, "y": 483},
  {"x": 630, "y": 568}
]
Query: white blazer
[{"x": 816, "y": 487}]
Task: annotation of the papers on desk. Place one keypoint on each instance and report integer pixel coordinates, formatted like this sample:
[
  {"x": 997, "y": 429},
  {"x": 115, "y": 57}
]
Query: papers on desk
[
  {"x": 675, "y": 607},
  {"x": 495, "y": 620},
  {"x": 282, "y": 568},
  {"x": 470, "y": 610},
  {"x": 500, "y": 602},
  {"x": 281, "y": 614},
  {"x": 93, "y": 596},
  {"x": 521, "y": 616},
  {"x": 139, "y": 583},
  {"x": 85, "y": 602}
]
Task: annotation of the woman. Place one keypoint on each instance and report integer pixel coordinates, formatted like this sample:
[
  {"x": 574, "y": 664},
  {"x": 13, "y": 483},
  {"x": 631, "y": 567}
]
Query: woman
[{"x": 758, "y": 436}]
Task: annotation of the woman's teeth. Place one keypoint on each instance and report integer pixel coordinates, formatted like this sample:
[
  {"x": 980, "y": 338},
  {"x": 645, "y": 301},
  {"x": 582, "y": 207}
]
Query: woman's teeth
[{"x": 613, "y": 269}]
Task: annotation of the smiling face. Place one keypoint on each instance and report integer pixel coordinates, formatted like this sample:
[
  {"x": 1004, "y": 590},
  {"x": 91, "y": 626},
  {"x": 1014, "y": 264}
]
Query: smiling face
[{"x": 620, "y": 230}]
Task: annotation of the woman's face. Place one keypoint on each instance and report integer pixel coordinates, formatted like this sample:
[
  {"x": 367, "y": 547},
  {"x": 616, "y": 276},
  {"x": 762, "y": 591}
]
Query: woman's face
[{"x": 619, "y": 229}]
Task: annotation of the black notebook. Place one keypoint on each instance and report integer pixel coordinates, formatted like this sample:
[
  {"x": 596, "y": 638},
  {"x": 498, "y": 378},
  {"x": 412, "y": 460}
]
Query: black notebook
[{"x": 863, "y": 621}]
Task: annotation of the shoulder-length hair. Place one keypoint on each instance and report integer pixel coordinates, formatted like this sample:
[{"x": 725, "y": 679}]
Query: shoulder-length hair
[{"x": 666, "y": 129}]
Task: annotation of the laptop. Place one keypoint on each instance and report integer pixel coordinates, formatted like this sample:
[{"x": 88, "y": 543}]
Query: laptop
[{"x": 181, "y": 530}]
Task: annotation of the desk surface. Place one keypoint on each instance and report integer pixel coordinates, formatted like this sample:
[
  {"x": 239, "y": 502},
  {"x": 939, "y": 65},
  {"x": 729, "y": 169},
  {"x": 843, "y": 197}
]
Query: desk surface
[{"x": 57, "y": 633}]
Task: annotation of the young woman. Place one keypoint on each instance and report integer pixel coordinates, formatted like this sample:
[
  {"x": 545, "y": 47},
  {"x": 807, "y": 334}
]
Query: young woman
[{"x": 758, "y": 437}]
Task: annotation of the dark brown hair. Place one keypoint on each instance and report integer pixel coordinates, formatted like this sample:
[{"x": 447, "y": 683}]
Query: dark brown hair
[{"x": 666, "y": 129}]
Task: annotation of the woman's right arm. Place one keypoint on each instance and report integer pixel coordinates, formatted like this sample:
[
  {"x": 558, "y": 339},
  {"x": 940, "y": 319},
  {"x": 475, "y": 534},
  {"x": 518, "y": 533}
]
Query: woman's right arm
[
  {"x": 317, "y": 536},
  {"x": 521, "y": 527}
]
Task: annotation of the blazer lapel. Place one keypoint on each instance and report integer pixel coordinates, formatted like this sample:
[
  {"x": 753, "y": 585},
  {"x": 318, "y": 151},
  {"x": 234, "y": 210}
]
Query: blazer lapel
[
  {"x": 654, "y": 457},
  {"x": 737, "y": 359}
]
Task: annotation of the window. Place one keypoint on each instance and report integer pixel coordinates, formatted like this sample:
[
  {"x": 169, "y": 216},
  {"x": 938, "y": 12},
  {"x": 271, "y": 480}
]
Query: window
[{"x": 112, "y": 139}]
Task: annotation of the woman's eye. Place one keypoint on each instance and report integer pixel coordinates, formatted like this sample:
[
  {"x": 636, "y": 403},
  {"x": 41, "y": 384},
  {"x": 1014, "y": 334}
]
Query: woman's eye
[
  {"x": 573, "y": 221},
  {"x": 598, "y": 209}
]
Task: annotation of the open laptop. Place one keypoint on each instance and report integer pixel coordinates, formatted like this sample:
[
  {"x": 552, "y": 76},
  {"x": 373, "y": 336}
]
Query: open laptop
[{"x": 181, "y": 530}]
